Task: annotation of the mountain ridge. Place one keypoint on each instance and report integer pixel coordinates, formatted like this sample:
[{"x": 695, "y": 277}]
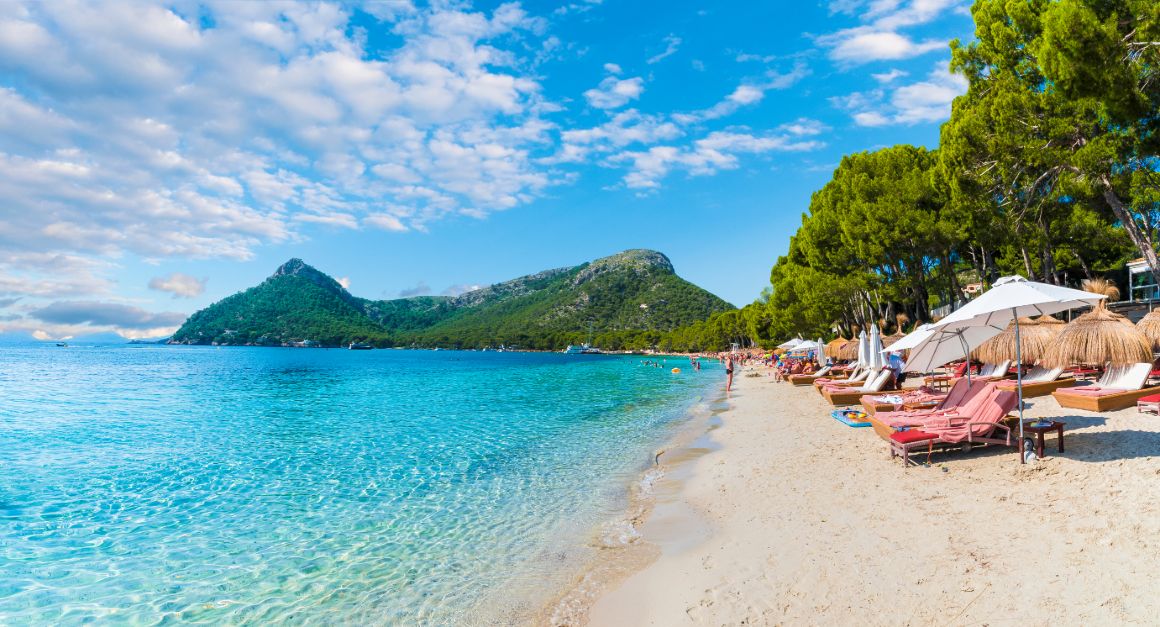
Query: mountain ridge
[{"x": 628, "y": 298}]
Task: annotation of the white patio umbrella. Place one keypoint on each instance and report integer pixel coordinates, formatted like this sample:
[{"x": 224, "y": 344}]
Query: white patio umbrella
[
  {"x": 819, "y": 355},
  {"x": 791, "y": 344},
  {"x": 1009, "y": 299},
  {"x": 863, "y": 349},
  {"x": 913, "y": 339}
]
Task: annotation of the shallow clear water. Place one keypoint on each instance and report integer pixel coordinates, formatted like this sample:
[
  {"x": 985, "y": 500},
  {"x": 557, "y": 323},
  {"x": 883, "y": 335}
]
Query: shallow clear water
[{"x": 150, "y": 484}]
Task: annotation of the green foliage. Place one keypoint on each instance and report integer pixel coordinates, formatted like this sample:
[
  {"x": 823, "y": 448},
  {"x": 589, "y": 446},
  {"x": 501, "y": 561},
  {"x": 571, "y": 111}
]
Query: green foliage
[{"x": 548, "y": 310}]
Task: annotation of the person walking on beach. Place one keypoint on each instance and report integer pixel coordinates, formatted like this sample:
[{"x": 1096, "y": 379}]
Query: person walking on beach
[{"x": 729, "y": 372}]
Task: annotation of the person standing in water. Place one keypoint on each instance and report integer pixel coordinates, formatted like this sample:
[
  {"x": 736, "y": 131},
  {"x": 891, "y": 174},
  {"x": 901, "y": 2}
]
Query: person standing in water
[{"x": 729, "y": 372}]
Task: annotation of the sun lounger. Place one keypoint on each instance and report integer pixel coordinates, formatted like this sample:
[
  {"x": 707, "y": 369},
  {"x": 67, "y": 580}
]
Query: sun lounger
[
  {"x": 1120, "y": 387},
  {"x": 1039, "y": 381},
  {"x": 897, "y": 400},
  {"x": 806, "y": 379},
  {"x": 857, "y": 374},
  {"x": 993, "y": 372},
  {"x": 962, "y": 397},
  {"x": 979, "y": 426},
  {"x": 851, "y": 395}
]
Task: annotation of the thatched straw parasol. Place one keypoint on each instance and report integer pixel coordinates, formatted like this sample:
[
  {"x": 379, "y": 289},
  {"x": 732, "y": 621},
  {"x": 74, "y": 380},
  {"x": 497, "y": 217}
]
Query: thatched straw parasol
[
  {"x": 848, "y": 351},
  {"x": 1037, "y": 337},
  {"x": 834, "y": 346},
  {"x": 890, "y": 339},
  {"x": 1149, "y": 325},
  {"x": 1098, "y": 337}
]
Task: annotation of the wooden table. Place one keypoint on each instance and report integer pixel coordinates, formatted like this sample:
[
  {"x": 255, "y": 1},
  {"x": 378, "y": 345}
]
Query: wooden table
[
  {"x": 1057, "y": 427},
  {"x": 922, "y": 405}
]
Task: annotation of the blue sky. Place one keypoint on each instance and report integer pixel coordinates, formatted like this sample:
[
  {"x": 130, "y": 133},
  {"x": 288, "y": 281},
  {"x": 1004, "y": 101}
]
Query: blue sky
[{"x": 155, "y": 158}]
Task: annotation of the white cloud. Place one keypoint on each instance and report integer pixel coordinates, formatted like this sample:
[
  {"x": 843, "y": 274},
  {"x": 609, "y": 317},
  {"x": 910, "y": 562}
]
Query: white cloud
[
  {"x": 915, "y": 103},
  {"x": 612, "y": 68},
  {"x": 138, "y": 130},
  {"x": 460, "y": 289},
  {"x": 747, "y": 94},
  {"x": 803, "y": 127},
  {"x": 879, "y": 39},
  {"x": 889, "y": 77},
  {"x": 614, "y": 92},
  {"x": 858, "y": 46},
  {"x": 716, "y": 151},
  {"x": 672, "y": 43},
  {"x": 179, "y": 284},
  {"x": 344, "y": 282}
]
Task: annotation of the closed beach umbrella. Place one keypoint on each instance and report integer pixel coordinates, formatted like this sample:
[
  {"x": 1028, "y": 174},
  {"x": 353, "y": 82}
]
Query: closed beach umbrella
[
  {"x": 1099, "y": 337},
  {"x": 819, "y": 354},
  {"x": 1149, "y": 325},
  {"x": 875, "y": 348},
  {"x": 1011, "y": 298},
  {"x": 863, "y": 348}
]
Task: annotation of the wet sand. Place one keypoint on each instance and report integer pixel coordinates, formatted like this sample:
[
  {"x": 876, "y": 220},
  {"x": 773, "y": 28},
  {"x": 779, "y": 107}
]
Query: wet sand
[{"x": 791, "y": 517}]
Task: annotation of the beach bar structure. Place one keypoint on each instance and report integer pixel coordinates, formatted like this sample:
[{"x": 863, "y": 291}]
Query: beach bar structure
[{"x": 1141, "y": 284}]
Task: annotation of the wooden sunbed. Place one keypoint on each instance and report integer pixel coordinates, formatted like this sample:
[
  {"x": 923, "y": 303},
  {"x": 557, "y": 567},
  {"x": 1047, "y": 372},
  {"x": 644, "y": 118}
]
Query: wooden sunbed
[
  {"x": 852, "y": 396},
  {"x": 872, "y": 406},
  {"x": 808, "y": 379},
  {"x": 1108, "y": 402},
  {"x": 1041, "y": 388}
]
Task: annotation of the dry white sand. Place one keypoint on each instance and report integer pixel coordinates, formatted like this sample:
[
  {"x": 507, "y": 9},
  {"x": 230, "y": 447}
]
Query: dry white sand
[{"x": 799, "y": 519}]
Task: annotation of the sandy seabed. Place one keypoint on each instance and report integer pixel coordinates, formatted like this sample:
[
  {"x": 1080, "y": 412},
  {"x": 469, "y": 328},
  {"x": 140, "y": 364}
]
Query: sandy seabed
[{"x": 794, "y": 518}]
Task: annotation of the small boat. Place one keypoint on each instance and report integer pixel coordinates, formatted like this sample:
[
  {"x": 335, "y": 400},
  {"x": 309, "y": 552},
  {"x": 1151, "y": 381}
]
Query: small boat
[
  {"x": 360, "y": 346},
  {"x": 582, "y": 349},
  {"x": 62, "y": 344}
]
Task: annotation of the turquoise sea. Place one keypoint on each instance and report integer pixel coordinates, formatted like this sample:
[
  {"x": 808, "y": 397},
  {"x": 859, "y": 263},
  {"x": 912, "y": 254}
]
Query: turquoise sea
[{"x": 151, "y": 484}]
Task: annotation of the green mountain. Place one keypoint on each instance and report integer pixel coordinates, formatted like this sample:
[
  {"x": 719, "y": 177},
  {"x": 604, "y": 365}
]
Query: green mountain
[{"x": 624, "y": 301}]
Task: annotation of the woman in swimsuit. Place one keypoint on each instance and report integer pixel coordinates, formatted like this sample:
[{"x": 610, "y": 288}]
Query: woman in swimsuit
[{"x": 729, "y": 372}]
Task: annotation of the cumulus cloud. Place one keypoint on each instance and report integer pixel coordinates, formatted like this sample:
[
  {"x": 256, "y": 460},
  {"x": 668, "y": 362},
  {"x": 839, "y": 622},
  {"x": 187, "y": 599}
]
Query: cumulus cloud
[
  {"x": 613, "y": 92},
  {"x": 889, "y": 77},
  {"x": 920, "y": 102},
  {"x": 179, "y": 284},
  {"x": 879, "y": 38},
  {"x": 716, "y": 151},
  {"x": 225, "y": 127},
  {"x": 344, "y": 282},
  {"x": 672, "y": 44}
]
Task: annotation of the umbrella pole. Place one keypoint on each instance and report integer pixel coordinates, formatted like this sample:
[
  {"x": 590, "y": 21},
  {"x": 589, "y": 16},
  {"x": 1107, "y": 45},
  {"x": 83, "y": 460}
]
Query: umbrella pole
[
  {"x": 1019, "y": 384},
  {"x": 968, "y": 352}
]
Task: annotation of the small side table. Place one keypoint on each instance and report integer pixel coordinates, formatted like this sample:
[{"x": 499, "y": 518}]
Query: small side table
[{"x": 1055, "y": 426}]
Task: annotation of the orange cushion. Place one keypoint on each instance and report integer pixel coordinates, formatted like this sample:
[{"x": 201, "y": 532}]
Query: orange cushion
[{"x": 913, "y": 435}]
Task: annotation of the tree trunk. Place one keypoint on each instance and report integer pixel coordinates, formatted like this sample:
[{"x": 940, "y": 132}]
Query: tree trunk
[
  {"x": 1027, "y": 263},
  {"x": 1141, "y": 238},
  {"x": 1083, "y": 264}
]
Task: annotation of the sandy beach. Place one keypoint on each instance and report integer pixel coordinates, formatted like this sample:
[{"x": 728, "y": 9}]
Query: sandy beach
[{"x": 794, "y": 518}]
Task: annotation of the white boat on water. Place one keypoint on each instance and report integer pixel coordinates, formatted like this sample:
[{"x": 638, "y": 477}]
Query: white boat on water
[{"x": 582, "y": 349}]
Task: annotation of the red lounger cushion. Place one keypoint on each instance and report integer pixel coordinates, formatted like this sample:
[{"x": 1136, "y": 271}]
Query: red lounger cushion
[
  {"x": 913, "y": 435},
  {"x": 1151, "y": 398}
]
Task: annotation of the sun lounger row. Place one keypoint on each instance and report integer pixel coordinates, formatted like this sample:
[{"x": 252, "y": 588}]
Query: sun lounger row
[{"x": 1119, "y": 388}]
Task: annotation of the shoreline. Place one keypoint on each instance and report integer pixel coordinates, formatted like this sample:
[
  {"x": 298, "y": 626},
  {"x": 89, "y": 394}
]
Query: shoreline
[
  {"x": 809, "y": 521},
  {"x": 621, "y": 549}
]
